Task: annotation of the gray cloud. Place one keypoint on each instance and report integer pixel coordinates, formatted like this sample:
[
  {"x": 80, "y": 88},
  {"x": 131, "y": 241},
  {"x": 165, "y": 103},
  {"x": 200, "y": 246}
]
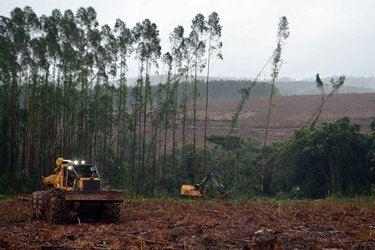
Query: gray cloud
[{"x": 329, "y": 37}]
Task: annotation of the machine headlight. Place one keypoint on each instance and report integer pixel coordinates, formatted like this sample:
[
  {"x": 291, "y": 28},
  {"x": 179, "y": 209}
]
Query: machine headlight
[
  {"x": 70, "y": 167},
  {"x": 83, "y": 162},
  {"x": 75, "y": 162}
]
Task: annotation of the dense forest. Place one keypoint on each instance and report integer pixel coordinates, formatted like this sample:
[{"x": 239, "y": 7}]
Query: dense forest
[{"x": 64, "y": 93}]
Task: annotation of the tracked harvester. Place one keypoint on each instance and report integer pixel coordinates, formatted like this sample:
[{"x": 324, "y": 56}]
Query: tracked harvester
[
  {"x": 73, "y": 193},
  {"x": 200, "y": 189}
]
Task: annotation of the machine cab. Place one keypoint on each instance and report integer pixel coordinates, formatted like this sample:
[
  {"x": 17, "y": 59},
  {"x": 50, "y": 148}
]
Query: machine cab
[{"x": 76, "y": 176}]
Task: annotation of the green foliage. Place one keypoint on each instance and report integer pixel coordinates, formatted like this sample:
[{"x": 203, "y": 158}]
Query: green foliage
[
  {"x": 226, "y": 142},
  {"x": 329, "y": 159}
]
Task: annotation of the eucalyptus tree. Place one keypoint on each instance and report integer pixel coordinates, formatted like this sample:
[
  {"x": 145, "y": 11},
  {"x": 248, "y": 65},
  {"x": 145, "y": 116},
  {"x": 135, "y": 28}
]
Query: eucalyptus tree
[
  {"x": 197, "y": 47},
  {"x": 157, "y": 123},
  {"x": 108, "y": 68},
  {"x": 148, "y": 50},
  {"x": 282, "y": 35},
  {"x": 179, "y": 47},
  {"x": 336, "y": 85},
  {"x": 19, "y": 26},
  {"x": 6, "y": 64},
  {"x": 214, "y": 47},
  {"x": 41, "y": 79},
  {"x": 167, "y": 58},
  {"x": 133, "y": 126},
  {"x": 125, "y": 41},
  {"x": 51, "y": 27},
  {"x": 87, "y": 26},
  {"x": 69, "y": 64}
]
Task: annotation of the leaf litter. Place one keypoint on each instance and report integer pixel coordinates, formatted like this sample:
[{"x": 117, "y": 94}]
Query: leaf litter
[{"x": 167, "y": 224}]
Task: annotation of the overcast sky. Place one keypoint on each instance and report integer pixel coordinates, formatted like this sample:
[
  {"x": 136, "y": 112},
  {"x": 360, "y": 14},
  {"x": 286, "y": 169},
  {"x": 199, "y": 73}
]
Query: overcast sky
[{"x": 328, "y": 37}]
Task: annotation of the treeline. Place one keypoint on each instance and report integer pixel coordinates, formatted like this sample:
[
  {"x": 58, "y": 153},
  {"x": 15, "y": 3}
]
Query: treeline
[
  {"x": 223, "y": 89},
  {"x": 231, "y": 89},
  {"x": 64, "y": 94},
  {"x": 329, "y": 159},
  {"x": 289, "y": 88}
]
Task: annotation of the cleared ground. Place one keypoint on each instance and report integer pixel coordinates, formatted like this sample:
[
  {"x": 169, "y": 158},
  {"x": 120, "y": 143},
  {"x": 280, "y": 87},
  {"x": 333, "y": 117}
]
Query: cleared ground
[
  {"x": 195, "y": 224},
  {"x": 288, "y": 113}
]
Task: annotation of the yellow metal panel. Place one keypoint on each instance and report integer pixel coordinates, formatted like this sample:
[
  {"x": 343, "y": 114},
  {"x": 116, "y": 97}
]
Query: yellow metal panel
[{"x": 189, "y": 190}]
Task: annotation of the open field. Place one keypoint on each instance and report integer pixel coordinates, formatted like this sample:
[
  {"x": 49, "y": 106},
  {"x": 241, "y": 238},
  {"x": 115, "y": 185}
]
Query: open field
[
  {"x": 288, "y": 114},
  {"x": 196, "y": 224}
]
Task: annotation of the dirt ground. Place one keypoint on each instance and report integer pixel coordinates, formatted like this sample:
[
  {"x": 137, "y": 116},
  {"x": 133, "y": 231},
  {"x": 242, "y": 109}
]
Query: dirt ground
[
  {"x": 288, "y": 114},
  {"x": 196, "y": 224}
]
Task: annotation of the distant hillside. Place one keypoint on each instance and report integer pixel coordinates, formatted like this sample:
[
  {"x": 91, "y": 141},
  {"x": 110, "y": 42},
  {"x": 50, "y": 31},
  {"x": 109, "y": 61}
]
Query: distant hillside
[
  {"x": 226, "y": 89},
  {"x": 286, "y": 86},
  {"x": 230, "y": 89},
  {"x": 359, "y": 82},
  {"x": 156, "y": 79},
  {"x": 309, "y": 88}
]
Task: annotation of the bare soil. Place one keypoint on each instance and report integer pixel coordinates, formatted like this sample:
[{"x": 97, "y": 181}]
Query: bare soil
[
  {"x": 288, "y": 114},
  {"x": 196, "y": 224}
]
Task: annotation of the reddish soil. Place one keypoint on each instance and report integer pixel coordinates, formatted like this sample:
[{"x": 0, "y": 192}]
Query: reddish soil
[
  {"x": 166, "y": 224},
  {"x": 288, "y": 114}
]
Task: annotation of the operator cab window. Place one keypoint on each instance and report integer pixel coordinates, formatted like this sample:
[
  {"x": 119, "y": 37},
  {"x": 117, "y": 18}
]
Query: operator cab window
[
  {"x": 86, "y": 171},
  {"x": 68, "y": 177}
]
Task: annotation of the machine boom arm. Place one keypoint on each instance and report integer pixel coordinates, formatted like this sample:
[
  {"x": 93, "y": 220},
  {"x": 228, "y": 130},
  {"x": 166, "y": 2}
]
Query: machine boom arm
[{"x": 200, "y": 189}]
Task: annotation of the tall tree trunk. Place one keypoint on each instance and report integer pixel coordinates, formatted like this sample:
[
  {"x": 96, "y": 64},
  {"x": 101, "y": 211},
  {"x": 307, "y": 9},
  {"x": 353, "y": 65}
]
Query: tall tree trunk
[
  {"x": 174, "y": 128},
  {"x": 194, "y": 168},
  {"x": 134, "y": 148},
  {"x": 144, "y": 127},
  {"x": 110, "y": 170},
  {"x": 105, "y": 144},
  {"x": 206, "y": 108},
  {"x": 119, "y": 116},
  {"x": 332, "y": 174},
  {"x": 165, "y": 159},
  {"x": 13, "y": 132},
  {"x": 183, "y": 156},
  {"x": 266, "y": 136},
  {"x": 140, "y": 133}
]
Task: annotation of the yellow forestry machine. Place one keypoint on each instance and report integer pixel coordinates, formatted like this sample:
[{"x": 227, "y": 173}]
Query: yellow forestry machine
[
  {"x": 200, "y": 189},
  {"x": 73, "y": 193}
]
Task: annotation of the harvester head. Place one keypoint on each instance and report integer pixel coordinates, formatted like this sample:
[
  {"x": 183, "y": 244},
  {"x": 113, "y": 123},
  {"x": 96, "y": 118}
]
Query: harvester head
[{"x": 190, "y": 190}]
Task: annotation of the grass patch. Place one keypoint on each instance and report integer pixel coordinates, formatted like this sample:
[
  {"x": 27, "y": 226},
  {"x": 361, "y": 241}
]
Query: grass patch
[
  {"x": 364, "y": 201},
  {"x": 6, "y": 198}
]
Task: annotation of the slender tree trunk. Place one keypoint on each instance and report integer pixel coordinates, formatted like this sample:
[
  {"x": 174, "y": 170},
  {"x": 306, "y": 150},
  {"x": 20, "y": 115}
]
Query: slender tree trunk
[
  {"x": 105, "y": 144},
  {"x": 206, "y": 113},
  {"x": 13, "y": 132},
  {"x": 140, "y": 135},
  {"x": 174, "y": 128},
  {"x": 144, "y": 127},
  {"x": 194, "y": 168},
  {"x": 133, "y": 149},
  {"x": 332, "y": 174},
  {"x": 183, "y": 157},
  {"x": 165, "y": 159},
  {"x": 83, "y": 132},
  {"x": 266, "y": 136},
  {"x": 154, "y": 159},
  {"x": 110, "y": 170},
  {"x": 119, "y": 116}
]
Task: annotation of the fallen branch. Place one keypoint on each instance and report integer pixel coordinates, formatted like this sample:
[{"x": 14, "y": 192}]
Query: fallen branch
[
  {"x": 337, "y": 237},
  {"x": 232, "y": 241},
  {"x": 150, "y": 241},
  {"x": 216, "y": 211}
]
